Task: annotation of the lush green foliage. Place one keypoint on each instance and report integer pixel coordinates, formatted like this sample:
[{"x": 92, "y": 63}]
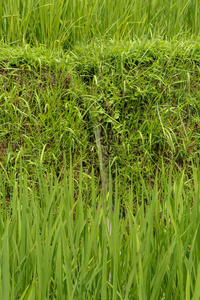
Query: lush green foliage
[
  {"x": 57, "y": 243},
  {"x": 55, "y": 220},
  {"x": 99, "y": 149},
  {"x": 144, "y": 96},
  {"x": 53, "y": 22}
]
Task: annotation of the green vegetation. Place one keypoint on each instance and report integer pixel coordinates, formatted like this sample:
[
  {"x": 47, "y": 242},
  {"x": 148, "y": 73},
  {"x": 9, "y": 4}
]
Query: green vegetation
[
  {"x": 60, "y": 22},
  {"x": 143, "y": 96},
  {"x": 99, "y": 150},
  {"x": 56, "y": 248}
]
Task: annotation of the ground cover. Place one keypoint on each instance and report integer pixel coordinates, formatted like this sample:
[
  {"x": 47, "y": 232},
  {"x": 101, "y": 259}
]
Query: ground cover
[{"x": 143, "y": 97}]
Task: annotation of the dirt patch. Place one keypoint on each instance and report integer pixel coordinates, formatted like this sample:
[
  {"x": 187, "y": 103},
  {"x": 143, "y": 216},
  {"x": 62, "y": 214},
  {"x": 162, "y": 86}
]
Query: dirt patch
[{"x": 3, "y": 149}]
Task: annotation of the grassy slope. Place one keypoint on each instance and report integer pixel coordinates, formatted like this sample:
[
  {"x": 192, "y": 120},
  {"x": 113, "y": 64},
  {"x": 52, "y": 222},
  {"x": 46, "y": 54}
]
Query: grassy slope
[{"x": 145, "y": 97}]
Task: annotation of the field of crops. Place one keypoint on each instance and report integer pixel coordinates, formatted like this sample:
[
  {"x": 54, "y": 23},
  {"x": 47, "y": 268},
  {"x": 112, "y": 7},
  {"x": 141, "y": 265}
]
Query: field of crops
[
  {"x": 99, "y": 149},
  {"x": 64, "y": 22}
]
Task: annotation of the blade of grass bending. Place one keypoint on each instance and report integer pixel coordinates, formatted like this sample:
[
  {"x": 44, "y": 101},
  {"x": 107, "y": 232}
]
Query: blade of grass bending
[
  {"x": 24, "y": 293},
  {"x": 97, "y": 134}
]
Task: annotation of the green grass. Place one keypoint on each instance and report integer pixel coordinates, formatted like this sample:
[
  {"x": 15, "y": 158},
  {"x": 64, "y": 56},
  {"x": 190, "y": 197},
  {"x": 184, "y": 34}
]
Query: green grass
[
  {"x": 58, "y": 246},
  {"x": 64, "y": 234},
  {"x": 143, "y": 96},
  {"x": 63, "y": 23},
  {"x": 99, "y": 149}
]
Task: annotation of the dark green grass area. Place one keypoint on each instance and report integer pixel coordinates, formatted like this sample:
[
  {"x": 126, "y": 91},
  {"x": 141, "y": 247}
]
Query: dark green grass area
[{"x": 144, "y": 96}]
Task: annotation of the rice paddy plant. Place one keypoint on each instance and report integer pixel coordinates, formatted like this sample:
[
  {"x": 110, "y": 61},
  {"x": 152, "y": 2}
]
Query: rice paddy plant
[
  {"x": 55, "y": 245},
  {"x": 64, "y": 23}
]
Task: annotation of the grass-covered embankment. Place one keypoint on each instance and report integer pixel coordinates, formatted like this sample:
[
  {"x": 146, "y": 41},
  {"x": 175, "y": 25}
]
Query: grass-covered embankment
[{"x": 144, "y": 97}]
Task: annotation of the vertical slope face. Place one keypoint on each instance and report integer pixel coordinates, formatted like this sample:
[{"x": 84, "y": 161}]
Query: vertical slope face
[
  {"x": 146, "y": 100},
  {"x": 136, "y": 104}
]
